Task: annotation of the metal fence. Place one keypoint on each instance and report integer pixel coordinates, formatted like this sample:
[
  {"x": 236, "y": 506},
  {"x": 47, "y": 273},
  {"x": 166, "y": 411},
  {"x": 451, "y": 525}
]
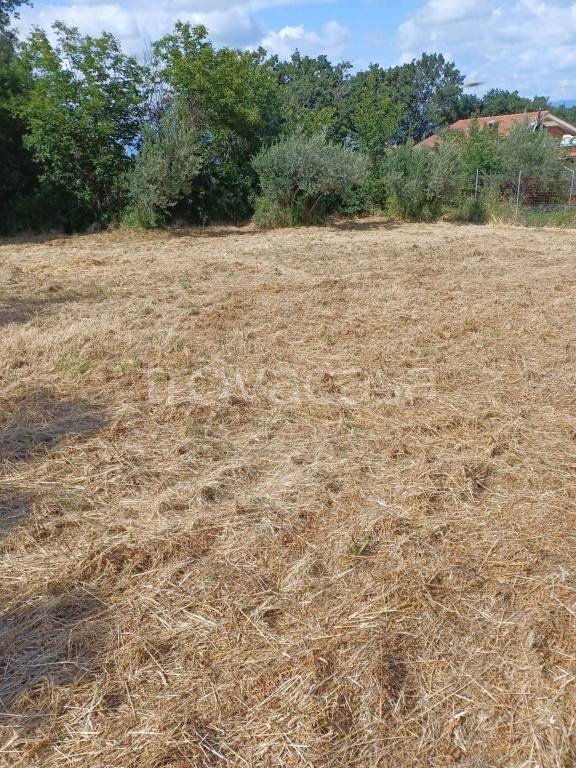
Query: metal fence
[{"x": 528, "y": 192}]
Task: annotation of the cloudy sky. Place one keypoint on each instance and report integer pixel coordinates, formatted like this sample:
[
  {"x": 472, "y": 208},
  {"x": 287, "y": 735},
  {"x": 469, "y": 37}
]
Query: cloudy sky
[{"x": 529, "y": 45}]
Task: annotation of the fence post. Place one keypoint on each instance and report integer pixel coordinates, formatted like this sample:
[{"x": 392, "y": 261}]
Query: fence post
[
  {"x": 476, "y": 185},
  {"x": 518, "y": 192}
]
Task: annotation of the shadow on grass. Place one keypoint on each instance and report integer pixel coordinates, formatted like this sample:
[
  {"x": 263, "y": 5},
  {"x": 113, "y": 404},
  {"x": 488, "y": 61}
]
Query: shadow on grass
[
  {"x": 43, "y": 238},
  {"x": 339, "y": 225},
  {"x": 215, "y": 230},
  {"x": 39, "y": 421},
  {"x": 15, "y": 508},
  {"x": 51, "y": 641},
  {"x": 364, "y": 225},
  {"x": 13, "y": 314},
  {"x": 22, "y": 310},
  {"x": 45, "y": 645},
  {"x": 247, "y": 229}
]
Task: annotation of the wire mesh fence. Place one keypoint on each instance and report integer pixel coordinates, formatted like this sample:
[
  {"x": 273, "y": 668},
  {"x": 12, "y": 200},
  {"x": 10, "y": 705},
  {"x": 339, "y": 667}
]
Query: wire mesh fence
[{"x": 526, "y": 192}]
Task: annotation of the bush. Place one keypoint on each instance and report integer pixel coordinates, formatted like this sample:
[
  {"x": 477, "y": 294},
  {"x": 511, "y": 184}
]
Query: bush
[
  {"x": 377, "y": 187},
  {"x": 303, "y": 179},
  {"x": 472, "y": 210},
  {"x": 405, "y": 178},
  {"x": 533, "y": 153},
  {"x": 480, "y": 149},
  {"x": 46, "y": 208},
  {"x": 270, "y": 213},
  {"x": 420, "y": 183},
  {"x": 448, "y": 177},
  {"x": 164, "y": 170},
  {"x": 564, "y": 217}
]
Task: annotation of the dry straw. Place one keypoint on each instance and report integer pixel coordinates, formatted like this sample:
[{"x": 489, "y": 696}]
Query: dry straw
[{"x": 300, "y": 498}]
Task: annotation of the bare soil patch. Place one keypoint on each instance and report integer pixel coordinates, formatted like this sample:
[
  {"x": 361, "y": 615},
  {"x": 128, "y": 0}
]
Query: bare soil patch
[{"x": 291, "y": 498}]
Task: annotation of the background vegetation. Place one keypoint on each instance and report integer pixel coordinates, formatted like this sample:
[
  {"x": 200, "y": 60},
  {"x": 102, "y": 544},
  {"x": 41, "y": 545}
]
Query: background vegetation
[{"x": 90, "y": 136}]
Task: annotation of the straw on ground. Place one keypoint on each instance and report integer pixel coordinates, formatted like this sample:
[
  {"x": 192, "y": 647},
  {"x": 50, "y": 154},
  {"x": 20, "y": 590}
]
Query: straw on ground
[{"x": 298, "y": 498}]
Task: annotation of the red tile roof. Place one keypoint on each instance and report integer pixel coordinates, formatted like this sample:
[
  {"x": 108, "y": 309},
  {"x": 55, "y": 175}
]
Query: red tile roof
[
  {"x": 504, "y": 123},
  {"x": 431, "y": 141}
]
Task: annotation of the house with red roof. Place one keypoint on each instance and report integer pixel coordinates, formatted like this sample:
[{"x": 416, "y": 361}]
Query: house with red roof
[{"x": 545, "y": 120}]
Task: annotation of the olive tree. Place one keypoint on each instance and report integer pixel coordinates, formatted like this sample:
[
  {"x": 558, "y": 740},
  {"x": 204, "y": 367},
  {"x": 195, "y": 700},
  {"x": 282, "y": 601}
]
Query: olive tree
[
  {"x": 164, "y": 172},
  {"x": 302, "y": 179}
]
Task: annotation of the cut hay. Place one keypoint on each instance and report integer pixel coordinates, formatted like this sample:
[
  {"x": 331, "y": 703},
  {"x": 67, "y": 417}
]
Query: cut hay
[{"x": 293, "y": 498}]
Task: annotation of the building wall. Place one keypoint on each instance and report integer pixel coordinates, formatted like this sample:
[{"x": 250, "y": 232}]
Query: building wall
[{"x": 555, "y": 130}]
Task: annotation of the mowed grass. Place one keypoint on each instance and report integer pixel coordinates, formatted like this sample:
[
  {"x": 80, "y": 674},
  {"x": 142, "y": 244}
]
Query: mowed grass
[{"x": 297, "y": 498}]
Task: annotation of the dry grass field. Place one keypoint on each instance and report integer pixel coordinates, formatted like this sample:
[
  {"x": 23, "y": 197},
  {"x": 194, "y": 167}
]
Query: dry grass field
[{"x": 290, "y": 498}]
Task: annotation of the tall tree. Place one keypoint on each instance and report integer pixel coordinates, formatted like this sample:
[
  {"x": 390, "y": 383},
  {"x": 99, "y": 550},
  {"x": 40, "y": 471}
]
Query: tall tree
[
  {"x": 501, "y": 102},
  {"x": 375, "y": 112},
  {"x": 18, "y": 175},
  {"x": 430, "y": 87},
  {"x": 566, "y": 112},
  {"x": 233, "y": 99},
  {"x": 82, "y": 110},
  {"x": 226, "y": 89},
  {"x": 468, "y": 105},
  {"x": 314, "y": 94},
  {"x": 8, "y": 10}
]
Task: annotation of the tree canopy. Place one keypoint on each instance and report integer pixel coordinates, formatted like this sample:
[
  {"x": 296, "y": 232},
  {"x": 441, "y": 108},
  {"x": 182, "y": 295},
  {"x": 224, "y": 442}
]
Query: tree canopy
[
  {"x": 82, "y": 106},
  {"x": 88, "y": 134},
  {"x": 9, "y": 10}
]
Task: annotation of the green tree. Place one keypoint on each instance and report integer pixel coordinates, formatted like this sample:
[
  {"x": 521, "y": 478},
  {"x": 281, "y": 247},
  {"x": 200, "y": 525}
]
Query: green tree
[
  {"x": 565, "y": 112},
  {"x": 19, "y": 176},
  {"x": 501, "y": 102},
  {"x": 431, "y": 89},
  {"x": 233, "y": 98},
  {"x": 468, "y": 105},
  {"x": 165, "y": 169},
  {"x": 8, "y": 10},
  {"x": 375, "y": 113},
  {"x": 225, "y": 89},
  {"x": 303, "y": 178},
  {"x": 82, "y": 110},
  {"x": 314, "y": 93}
]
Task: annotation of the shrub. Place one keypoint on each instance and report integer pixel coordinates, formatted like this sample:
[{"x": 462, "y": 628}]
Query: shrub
[
  {"x": 448, "y": 174},
  {"x": 164, "y": 170},
  {"x": 271, "y": 213},
  {"x": 303, "y": 179},
  {"x": 534, "y": 153},
  {"x": 46, "y": 208},
  {"x": 377, "y": 187},
  {"x": 472, "y": 210},
  {"x": 564, "y": 217},
  {"x": 480, "y": 149},
  {"x": 421, "y": 183}
]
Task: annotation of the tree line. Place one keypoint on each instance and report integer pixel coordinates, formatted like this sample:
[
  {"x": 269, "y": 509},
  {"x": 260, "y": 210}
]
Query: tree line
[{"x": 91, "y": 136}]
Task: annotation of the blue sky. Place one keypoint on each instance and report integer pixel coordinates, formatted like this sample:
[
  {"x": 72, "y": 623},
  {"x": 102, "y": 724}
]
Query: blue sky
[{"x": 529, "y": 45}]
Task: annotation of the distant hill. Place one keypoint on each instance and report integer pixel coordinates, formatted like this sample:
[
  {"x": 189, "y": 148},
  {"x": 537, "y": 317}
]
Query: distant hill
[{"x": 565, "y": 102}]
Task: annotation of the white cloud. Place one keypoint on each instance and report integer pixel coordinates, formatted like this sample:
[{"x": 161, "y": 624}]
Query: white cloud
[
  {"x": 445, "y": 11},
  {"x": 331, "y": 40},
  {"x": 138, "y": 22},
  {"x": 517, "y": 44}
]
